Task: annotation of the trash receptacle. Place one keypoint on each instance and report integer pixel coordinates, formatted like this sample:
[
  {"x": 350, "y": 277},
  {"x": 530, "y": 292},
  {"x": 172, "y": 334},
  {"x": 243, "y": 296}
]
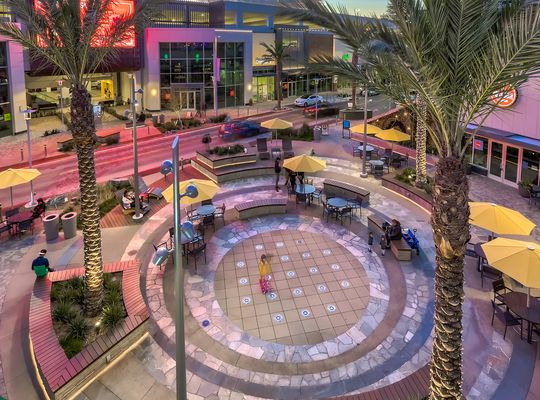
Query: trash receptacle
[
  {"x": 317, "y": 133},
  {"x": 154, "y": 119},
  {"x": 69, "y": 224},
  {"x": 50, "y": 223}
]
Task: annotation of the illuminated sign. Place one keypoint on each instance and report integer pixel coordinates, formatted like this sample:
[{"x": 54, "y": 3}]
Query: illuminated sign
[
  {"x": 346, "y": 57},
  {"x": 263, "y": 60},
  {"x": 504, "y": 98},
  {"x": 478, "y": 145},
  {"x": 117, "y": 9}
]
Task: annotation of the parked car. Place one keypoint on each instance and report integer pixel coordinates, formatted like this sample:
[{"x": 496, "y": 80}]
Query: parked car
[
  {"x": 240, "y": 129},
  {"x": 325, "y": 110},
  {"x": 370, "y": 93},
  {"x": 308, "y": 100}
]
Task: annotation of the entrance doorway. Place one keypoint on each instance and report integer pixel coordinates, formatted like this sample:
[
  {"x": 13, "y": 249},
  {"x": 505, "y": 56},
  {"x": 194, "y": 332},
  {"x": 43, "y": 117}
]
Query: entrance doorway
[
  {"x": 504, "y": 163},
  {"x": 188, "y": 99}
]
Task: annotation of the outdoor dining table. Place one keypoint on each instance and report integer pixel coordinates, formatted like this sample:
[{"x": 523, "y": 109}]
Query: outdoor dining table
[
  {"x": 206, "y": 210},
  {"x": 369, "y": 148},
  {"x": 337, "y": 202},
  {"x": 517, "y": 303},
  {"x": 20, "y": 217},
  {"x": 481, "y": 255},
  {"x": 306, "y": 190}
]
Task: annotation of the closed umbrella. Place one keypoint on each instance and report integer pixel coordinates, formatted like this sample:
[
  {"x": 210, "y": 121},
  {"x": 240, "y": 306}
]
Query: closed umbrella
[
  {"x": 276, "y": 124},
  {"x": 518, "y": 259},
  {"x": 304, "y": 163},
  {"x": 17, "y": 176},
  {"x": 371, "y": 129},
  {"x": 498, "y": 219},
  {"x": 206, "y": 188}
]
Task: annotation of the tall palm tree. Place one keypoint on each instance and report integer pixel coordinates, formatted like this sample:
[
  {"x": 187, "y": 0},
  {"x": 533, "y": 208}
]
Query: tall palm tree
[
  {"x": 421, "y": 144},
  {"x": 454, "y": 54},
  {"x": 78, "y": 38},
  {"x": 277, "y": 52}
]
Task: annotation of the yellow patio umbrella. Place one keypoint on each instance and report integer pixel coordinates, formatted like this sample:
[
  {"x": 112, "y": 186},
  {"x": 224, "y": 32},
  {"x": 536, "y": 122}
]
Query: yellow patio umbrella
[
  {"x": 17, "y": 176},
  {"x": 393, "y": 135},
  {"x": 498, "y": 219},
  {"x": 304, "y": 163},
  {"x": 371, "y": 129},
  {"x": 206, "y": 188},
  {"x": 518, "y": 259},
  {"x": 276, "y": 124}
]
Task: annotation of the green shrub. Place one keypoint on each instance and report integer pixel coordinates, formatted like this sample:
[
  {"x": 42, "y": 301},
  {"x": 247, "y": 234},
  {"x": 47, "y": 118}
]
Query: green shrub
[
  {"x": 51, "y": 132},
  {"x": 114, "y": 113},
  {"x": 113, "y": 314},
  {"x": 109, "y": 141},
  {"x": 74, "y": 282},
  {"x": 114, "y": 286},
  {"x": 112, "y": 297},
  {"x": 305, "y": 131},
  {"x": 78, "y": 328},
  {"x": 218, "y": 119},
  {"x": 107, "y": 279},
  {"x": 107, "y": 206},
  {"x": 71, "y": 345},
  {"x": 227, "y": 150},
  {"x": 63, "y": 311},
  {"x": 56, "y": 292}
]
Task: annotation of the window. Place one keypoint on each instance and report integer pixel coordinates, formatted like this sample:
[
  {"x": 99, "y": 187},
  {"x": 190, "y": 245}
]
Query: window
[
  {"x": 254, "y": 19},
  {"x": 529, "y": 166},
  {"x": 480, "y": 152},
  {"x": 200, "y": 18},
  {"x": 230, "y": 17},
  {"x": 284, "y": 20}
]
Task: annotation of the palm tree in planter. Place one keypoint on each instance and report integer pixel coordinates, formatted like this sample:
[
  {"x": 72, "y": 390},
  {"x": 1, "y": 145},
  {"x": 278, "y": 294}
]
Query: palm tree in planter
[
  {"x": 78, "y": 38},
  {"x": 454, "y": 55},
  {"x": 277, "y": 52}
]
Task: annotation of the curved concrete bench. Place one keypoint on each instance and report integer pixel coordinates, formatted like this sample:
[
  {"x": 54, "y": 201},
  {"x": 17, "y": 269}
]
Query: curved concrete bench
[
  {"x": 256, "y": 208},
  {"x": 345, "y": 190}
]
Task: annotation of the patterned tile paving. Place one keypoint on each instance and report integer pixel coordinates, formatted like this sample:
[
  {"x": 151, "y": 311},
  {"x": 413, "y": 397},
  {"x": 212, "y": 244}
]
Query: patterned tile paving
[{"x": 320, "y": 290}]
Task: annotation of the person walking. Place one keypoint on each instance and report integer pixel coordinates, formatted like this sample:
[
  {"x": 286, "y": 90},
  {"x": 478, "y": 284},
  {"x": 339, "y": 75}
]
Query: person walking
[
  {"x": 383, "y": 244},
  {"x": 370, "y": 241},
  {"x": 277, "y": 170},
  {"x": 265, "y": 274}
]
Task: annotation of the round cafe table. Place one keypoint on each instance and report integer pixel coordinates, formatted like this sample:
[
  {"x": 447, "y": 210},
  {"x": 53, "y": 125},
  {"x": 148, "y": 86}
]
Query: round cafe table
[
  {"x": 304, "y": 189},
  {"x": 517, "y": 303},
  {"x": 337, "y": 202},
  {"x": 206, "y": 210},
  {"x": 376, "y": 162},
  {"x": 369, "y": 148}
]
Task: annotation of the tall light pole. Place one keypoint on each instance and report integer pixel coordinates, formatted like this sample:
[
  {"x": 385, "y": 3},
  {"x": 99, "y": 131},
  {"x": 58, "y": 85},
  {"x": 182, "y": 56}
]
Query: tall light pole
[
  {"x": 317, "y": 80},
  {"x": 61, "y": 85},
  {"x": 138, "y": 215},
  {"x": 191, "y": 191},
  {"x": 364, "y": 151},
  {"x": 215, "y": 77},
  {"x": 27, "y": 116}
]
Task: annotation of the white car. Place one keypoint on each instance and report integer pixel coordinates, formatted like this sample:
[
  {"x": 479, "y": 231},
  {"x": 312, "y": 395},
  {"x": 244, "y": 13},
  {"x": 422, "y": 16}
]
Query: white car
[{"x": 307, "y": 100}]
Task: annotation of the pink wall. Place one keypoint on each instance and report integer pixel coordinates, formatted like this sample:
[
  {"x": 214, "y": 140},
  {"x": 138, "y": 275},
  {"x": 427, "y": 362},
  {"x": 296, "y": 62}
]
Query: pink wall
[{"x": 524, "y": 116}]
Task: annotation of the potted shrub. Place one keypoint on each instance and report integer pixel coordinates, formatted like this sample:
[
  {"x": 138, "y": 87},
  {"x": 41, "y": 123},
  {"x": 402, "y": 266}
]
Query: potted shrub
[
  {"x": 524, "y": 188},
  {"x": 207, "y": 139}
]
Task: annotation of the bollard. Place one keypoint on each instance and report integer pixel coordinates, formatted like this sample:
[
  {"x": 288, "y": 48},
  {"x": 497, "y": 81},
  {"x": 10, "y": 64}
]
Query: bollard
[
  {"x": 22, "y": 155},
  {"x": 45, "y": 149},
  {"x": 182, "y": 164}
]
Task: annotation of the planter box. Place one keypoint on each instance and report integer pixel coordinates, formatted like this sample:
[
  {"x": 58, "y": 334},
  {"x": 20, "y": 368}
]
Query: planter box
[
  {"x": 354, "y": 114},
  {"x": 63, "y": 377},
  {"x": 416, "y": 195},
  {"x": 214, "y": 161}
]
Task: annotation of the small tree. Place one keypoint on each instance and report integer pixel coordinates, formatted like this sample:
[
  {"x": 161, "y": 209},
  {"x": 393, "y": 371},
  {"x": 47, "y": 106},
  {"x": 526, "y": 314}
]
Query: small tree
[{"x": 277, "y": 52}]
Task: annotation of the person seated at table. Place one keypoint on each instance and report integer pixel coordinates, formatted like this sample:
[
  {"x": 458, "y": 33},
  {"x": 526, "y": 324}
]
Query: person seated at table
[
  {"x": 291, "y": 177},
  {"x": 301, "y": 178},
  {"x": 127, "y": 201},
  {"x": 393, "y": 231},
  {"x": 39, "y": 209},
  {"x": 41, "y": 261}
]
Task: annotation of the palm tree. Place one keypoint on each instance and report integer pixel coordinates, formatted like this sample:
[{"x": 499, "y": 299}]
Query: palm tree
[
  {"x": 77, "y": 40},
  {"x": 454, "y": 55},
  {"x": 421, "y": 144},
  {"x": 277, "y": 52}
]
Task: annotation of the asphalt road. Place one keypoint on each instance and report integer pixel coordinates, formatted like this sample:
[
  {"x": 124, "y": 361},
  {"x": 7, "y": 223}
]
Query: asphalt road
[{"x": 60, "y": 175}]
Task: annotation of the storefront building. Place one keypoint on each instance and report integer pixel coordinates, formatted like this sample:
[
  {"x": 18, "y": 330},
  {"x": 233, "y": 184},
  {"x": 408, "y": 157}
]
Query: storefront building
[{"x": 507, "y": 146}]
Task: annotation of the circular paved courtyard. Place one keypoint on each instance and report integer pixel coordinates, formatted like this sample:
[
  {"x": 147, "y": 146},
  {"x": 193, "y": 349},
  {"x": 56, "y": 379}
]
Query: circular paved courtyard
[{"x": 320, "y": 289}]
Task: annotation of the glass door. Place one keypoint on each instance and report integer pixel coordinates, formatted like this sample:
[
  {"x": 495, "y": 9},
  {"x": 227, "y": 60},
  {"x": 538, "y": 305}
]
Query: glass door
[
  {"x": 504, "y": 163},
  {"x": 187, "y": 100}
]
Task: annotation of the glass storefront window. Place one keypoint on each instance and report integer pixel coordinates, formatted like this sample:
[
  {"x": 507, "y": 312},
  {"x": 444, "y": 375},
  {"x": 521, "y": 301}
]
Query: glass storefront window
[
  {"x": 254, "y": 19},
  {"x": 480, "y": 154},
  {"x": 6, "y": 127},
  {"x": 529, "y": 166},
  {"x": 230, "y": 17}
]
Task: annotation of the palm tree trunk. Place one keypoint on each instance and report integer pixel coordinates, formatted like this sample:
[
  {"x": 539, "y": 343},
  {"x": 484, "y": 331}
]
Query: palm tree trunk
[
  {"x": 421, "y": 137},
  {"x": 278, "y": 84},
  {"x": 84, "y": 136},
  {"x": 450, "y": 222},
  {"x": 354, "y": 84}
]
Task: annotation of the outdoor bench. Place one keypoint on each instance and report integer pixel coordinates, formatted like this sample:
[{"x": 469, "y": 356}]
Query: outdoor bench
[
  {"x": 346, "y": 190},
  {"x": 400, "y": 248},
  {"x": 65, "y": 145},
  {"x": 256, "y": 208},
  {"x": 104, "y": 137}
]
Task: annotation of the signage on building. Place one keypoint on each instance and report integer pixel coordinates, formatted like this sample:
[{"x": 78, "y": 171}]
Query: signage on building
[
  {"x": 478, "y": 145},
  {"x": 504, "y": 98},
  {"x": 263, "y": 60},
  {"x": 346, "y": 57},
  {"x": 117, "y": 9}
]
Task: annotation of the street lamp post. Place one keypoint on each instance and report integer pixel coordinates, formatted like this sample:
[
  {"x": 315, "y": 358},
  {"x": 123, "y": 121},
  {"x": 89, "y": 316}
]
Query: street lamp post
[
  {"x": 317, "y": 80},
  {"x": 215, "y": 77},
  {"x": 27, "y": 116},
  {"x": 191, "y": 191},
  {"x": 364, "y": 151},
  {"x": 61, "y": 85},
  {"x": 138, "y": 215}
]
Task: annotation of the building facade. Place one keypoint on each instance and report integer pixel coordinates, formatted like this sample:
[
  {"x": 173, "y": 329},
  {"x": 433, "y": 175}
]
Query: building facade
[{"x": 175, "y": 59}]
